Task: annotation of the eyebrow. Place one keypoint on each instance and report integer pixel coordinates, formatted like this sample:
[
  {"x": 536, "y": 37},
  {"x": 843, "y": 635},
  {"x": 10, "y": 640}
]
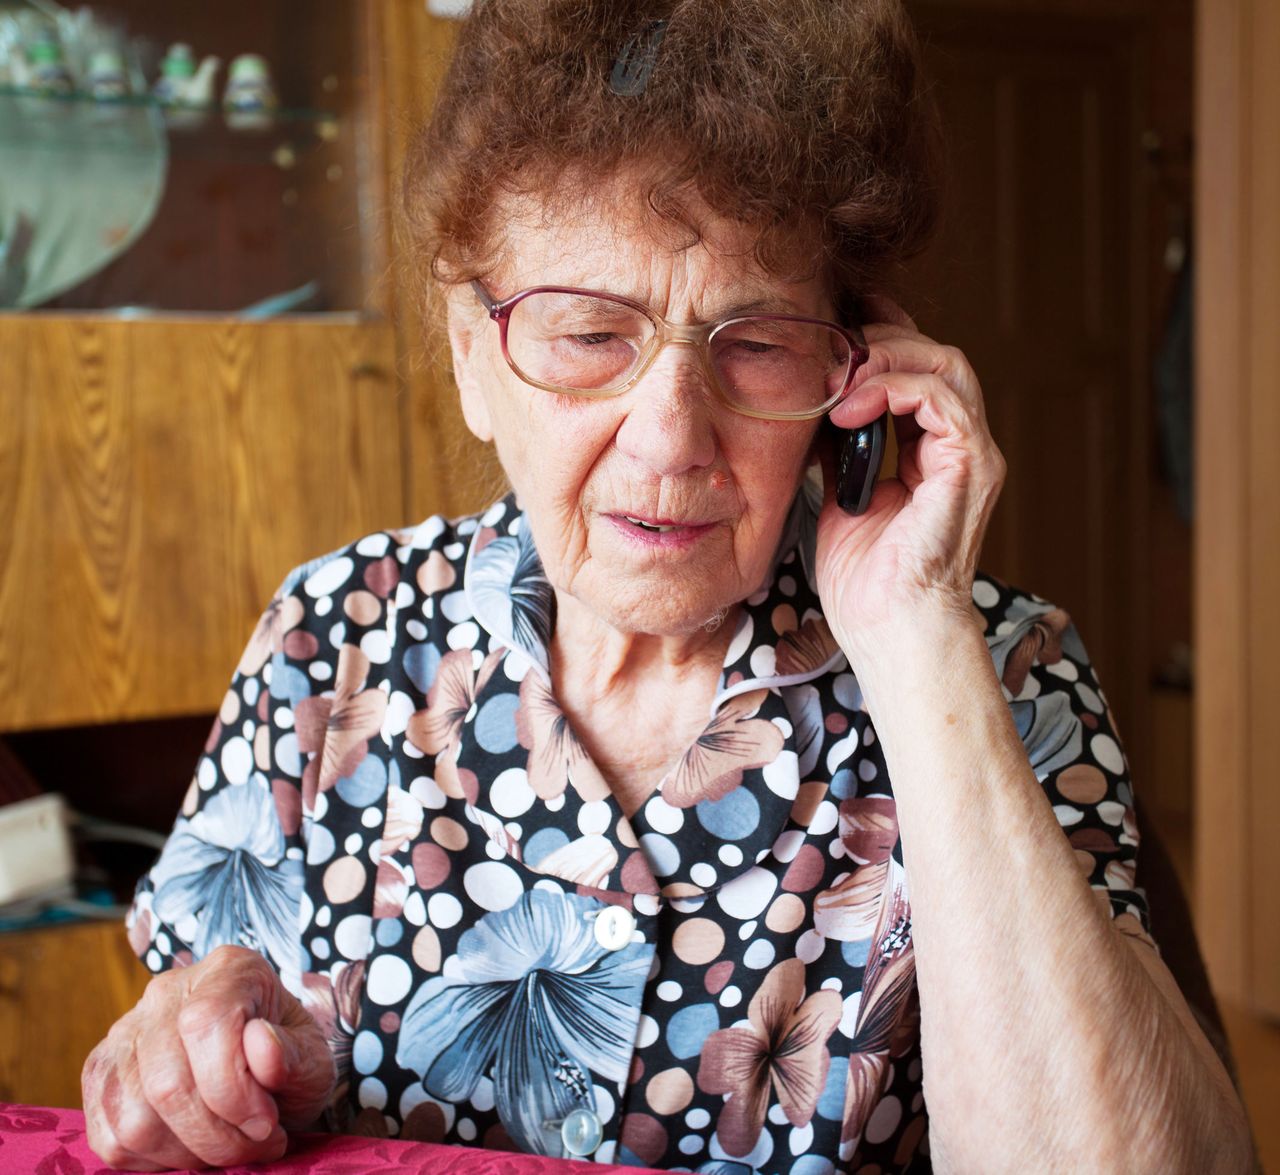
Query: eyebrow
[
  {"x": 772, "y": 305},
  {"x": 767, "y": 305}
]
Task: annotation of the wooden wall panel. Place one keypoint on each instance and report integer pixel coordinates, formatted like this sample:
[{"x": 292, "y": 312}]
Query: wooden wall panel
[
  {"x": 1238, "y": 500},
  {"x": 157, "y": 480},
  {"x": 1264, "y": 511},
  {"x": 447, "y": 470}
]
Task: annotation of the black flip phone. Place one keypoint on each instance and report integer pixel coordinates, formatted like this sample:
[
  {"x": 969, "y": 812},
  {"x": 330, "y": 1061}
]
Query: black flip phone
[{"x": 858, "y": 455}]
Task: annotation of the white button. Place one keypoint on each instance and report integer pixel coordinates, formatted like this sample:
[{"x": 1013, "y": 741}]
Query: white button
[
  {"x": 581, "y": 1133},
  {"x": 614, "y": 926}
]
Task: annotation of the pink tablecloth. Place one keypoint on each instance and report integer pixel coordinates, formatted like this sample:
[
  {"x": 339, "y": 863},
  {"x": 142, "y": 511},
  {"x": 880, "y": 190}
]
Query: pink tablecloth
[{"x": 51, "y": 1142}]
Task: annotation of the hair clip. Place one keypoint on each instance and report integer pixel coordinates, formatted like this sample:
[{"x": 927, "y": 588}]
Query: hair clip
[{"x": 634, "y": 64}]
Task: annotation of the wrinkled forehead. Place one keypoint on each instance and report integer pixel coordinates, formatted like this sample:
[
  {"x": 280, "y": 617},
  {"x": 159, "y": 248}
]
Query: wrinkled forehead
[{"x": 607, "y": 235}]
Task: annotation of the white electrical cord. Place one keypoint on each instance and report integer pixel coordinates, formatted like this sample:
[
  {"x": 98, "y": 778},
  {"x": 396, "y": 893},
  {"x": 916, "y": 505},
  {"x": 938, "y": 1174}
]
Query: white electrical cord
[{"x": 93, "y": 828}]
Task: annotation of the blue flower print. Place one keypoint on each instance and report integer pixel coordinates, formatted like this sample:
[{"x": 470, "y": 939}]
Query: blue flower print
[
  {"x": 1032, "y": 631},
  {"x": 535, "y": 1002},
  {"x": 1050, "y": 731},
  {"x": 226, "y": 867},
  {"x": 511, "y": 594}
]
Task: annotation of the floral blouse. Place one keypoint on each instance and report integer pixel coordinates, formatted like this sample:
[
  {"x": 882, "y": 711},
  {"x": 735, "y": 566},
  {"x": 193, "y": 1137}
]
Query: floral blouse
[{"x": 393, "y": 809}]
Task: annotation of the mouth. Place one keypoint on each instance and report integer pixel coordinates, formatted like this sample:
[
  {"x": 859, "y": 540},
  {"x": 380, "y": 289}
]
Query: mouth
[
  {"x": 655, "y": 527},
  {"x": 660, "y": 531}
]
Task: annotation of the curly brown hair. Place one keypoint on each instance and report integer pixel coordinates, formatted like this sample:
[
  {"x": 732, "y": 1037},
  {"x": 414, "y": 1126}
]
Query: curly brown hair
[{"x": 802, "y": 119}]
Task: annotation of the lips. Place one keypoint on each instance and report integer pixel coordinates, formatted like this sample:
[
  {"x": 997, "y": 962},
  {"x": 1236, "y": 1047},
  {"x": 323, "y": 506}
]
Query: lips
[
  {"x": 660, "y": 525},
  {"x": 660, "y": 534},
  {"x": 656, "y": 527}
]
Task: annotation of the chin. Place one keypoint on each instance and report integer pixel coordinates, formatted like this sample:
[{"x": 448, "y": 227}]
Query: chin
[{"x": 640, "y": 607}]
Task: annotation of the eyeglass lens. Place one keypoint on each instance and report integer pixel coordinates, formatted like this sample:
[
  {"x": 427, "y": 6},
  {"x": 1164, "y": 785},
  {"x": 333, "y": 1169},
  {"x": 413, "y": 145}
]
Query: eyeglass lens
[{"x": 579, "y": 343}]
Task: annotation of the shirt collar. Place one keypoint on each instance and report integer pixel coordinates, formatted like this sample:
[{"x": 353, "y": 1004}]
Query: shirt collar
[
  {"x": 507, "y": 589},
  {"x": 781, "y": 637},
  {"x": 738, "y": 789}
]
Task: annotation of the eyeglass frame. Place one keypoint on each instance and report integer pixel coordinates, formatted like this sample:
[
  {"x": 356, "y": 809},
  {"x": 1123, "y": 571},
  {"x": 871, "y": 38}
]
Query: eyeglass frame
[{"x": 698, "y": 335}]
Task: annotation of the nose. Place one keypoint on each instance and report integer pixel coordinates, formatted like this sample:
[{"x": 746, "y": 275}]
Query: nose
[{"x": 668, "y": 426}]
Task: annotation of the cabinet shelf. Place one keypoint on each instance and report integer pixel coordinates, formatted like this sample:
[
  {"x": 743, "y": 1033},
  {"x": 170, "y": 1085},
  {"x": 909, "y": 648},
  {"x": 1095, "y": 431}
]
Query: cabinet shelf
[
  {"x": 79, "y": 97},
  {"x": 77, "y": 122},
  {"x": 161, "y": 469}
]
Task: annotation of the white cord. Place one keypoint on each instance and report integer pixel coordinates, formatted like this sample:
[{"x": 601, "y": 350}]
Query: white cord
[{"x": 92, "y": 828}]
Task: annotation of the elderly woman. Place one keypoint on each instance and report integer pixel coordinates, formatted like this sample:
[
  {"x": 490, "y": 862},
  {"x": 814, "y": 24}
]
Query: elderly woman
[{"x": 666, "y": 813}]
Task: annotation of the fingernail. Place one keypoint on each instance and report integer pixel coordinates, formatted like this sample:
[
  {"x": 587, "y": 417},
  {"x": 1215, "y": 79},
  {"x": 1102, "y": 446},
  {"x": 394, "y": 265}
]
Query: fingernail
[
  {"x": 288, "y": 1050},
  {"x": 259, "y": 1129}
]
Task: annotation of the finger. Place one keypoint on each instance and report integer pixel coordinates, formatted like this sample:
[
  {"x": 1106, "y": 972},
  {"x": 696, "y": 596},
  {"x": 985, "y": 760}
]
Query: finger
[
  {"x": 98, "y": 1132},
  {"x": 171, "y": 1090},
  {"x": 946, "y": 436},
  {"x": 292, "y": 1059},
  {"x": 211, "y": 1027},
  {"x": 908, "y": 468},
  {"x": 928, "y": 400},
  {"x": 921, "y": 356},
  {"x": 137, "y": 1128},
  {"x": 104, "y": 1143},
  {"x": 906, "y": 430}
]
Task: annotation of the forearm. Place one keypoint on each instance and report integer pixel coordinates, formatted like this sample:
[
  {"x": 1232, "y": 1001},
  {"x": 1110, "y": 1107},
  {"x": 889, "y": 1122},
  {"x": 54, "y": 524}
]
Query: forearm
[{"x": 1046, "y": 1044}]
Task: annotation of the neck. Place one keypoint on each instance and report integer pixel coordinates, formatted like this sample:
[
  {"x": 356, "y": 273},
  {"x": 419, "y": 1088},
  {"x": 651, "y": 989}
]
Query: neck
[
  {"x": 636, "y": 700},
  {"x": 590, "y": 652}
]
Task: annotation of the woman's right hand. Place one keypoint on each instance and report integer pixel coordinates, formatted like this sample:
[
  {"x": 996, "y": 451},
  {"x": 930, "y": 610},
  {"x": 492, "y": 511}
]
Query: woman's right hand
[{"x": 211, "y": 1068}]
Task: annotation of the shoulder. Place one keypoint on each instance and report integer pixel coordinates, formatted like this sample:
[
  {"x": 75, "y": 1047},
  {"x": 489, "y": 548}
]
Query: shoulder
[
  {"x": 1070, "y": 735},
  {"x": 429, "y": 555},
  {"x": 1054, "y": 695},
  {"x": 1024, "y": 631},
  {"x": 351, "y": 595}
]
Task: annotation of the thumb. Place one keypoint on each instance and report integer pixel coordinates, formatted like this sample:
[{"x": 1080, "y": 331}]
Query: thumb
[{"x": 293, "y": 1063}]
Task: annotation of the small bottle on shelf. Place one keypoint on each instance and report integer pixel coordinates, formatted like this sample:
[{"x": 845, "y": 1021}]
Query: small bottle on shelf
[
  {"x": 250, "y": 98},
  {"x": 107, "y": 79},
  {"x": 48, "y": 73}
]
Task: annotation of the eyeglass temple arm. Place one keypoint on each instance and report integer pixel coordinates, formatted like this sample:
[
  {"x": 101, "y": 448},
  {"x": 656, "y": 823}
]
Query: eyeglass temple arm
[{"x": 486, "y": 299}]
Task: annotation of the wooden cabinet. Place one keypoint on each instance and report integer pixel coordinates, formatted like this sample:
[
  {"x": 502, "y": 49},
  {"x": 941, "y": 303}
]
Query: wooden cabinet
[
  {"x": 159, "y": 475},
  {"x": 50, "y": 1017},
  {"x": 158, "y": 479}
]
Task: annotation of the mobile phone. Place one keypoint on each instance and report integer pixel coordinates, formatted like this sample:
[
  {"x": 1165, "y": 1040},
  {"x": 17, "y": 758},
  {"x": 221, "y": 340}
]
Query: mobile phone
[{"x": 859, "y": 453}]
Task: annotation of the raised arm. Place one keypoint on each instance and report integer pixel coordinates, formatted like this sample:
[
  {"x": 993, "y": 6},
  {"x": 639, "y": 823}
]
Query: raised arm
[
  {"x": 1053, "y": 1036},
  {"x": 1051, "y": 1039}
]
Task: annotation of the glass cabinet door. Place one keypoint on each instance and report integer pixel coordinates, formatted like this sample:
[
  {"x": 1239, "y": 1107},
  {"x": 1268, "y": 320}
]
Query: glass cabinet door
[{"x": 235, "y": 173}]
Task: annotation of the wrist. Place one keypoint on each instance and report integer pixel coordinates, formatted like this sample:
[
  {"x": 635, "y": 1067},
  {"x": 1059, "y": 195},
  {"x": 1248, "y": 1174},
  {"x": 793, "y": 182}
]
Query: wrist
[
  {"x": 925, "y": 640},
  {"x": 931, "y": 683}
]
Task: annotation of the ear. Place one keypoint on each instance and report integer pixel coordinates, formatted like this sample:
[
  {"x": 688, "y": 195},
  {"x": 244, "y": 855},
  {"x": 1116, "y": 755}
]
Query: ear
[{"x": 469, "y": 364}]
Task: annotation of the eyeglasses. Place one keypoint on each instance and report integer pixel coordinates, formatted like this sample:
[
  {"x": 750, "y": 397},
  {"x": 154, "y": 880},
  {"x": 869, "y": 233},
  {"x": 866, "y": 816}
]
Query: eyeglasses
[{"x": 586, "y": 343}]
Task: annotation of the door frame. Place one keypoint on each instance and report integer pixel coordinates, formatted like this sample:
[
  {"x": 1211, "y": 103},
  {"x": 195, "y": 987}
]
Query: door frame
[{"x": 1237, "y": 500}]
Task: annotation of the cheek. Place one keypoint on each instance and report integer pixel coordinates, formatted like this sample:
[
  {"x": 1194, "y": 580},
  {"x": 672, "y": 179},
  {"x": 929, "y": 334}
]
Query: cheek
[
  {"x": 767, "y": 460},
  {"x": 549, "y": 445}
]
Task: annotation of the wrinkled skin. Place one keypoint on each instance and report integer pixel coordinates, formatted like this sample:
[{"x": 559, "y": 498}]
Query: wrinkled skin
[{"x": 210, "y": 1069}]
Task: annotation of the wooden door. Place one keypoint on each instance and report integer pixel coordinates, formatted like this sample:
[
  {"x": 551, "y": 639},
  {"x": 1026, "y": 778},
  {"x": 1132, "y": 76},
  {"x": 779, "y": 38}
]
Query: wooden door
[{"x": 1040, "y": 276}]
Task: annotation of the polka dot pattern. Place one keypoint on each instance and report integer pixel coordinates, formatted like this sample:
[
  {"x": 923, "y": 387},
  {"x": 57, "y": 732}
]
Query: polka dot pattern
[{"x": 391, "y": 719}]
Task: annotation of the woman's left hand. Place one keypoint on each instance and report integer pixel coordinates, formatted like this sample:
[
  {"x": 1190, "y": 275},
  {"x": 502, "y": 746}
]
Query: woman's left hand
[{"x": 916, "y": 548}]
